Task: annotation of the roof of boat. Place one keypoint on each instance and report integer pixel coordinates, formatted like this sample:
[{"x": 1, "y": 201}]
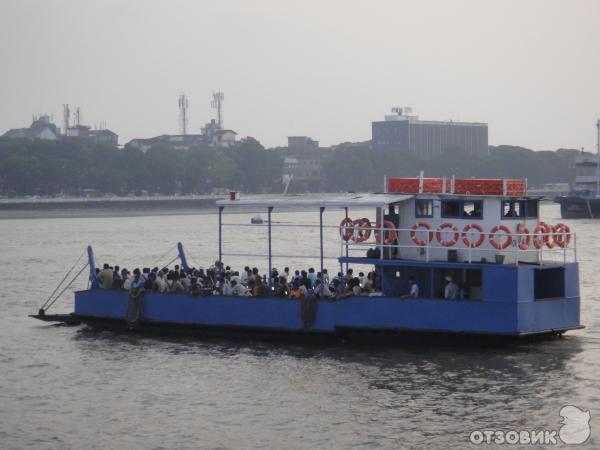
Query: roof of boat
[{"x": 342, "y": 201}]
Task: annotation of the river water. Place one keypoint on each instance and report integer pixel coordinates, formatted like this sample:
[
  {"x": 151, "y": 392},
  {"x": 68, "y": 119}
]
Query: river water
[{"x": 73, "y": 388}]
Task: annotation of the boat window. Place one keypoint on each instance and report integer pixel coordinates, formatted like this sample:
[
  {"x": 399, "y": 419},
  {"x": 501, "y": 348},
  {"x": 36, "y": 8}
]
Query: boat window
[
  {"x": 513, "y": 209},
  {"x": 462, "y": 209},
  {"x": 549, "y": 283},
  {"x": 532, "y": 208},
  {"x": 473, "y": 209},
  {"x": 451, "y": 209},
  {"x": 424, "y": 208}
]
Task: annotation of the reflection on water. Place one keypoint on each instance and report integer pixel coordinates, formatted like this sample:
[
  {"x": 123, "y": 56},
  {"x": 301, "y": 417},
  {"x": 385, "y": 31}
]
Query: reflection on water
[{"x": 69, "y": 387}]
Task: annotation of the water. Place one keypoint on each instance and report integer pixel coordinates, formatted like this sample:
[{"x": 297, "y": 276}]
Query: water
[{"x": 70, "y": 387}]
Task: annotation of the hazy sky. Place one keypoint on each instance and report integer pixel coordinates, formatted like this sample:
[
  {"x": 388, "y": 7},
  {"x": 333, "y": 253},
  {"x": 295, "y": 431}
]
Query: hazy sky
[{"x": 326, "y": 69}]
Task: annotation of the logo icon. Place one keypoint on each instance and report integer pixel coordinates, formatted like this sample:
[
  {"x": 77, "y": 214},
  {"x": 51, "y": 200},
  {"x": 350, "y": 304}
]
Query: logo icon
[{"x": 575, "y": 425}]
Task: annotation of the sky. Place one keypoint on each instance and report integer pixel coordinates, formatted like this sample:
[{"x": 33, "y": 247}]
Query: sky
[{"x": 324, "y": 69}]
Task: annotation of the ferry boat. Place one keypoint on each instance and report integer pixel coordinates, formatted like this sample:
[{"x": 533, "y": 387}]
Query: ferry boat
[
  {"x": 583, "y": 202},
  {"x": 516, "y": 275}
]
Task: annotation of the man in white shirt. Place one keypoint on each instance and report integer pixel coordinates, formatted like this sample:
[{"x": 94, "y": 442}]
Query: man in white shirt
[
  {"x": 451, "y": 289},
  {"x": 414, "y": 288},
  {"x": 239, "y": 289}
]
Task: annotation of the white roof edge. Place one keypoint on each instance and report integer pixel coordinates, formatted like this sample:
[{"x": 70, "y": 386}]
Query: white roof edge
[{"x": 358, "y": 200}]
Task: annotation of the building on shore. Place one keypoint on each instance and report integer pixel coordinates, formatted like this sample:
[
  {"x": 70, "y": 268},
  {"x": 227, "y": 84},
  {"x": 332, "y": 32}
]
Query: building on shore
[
  {"x": 428, "y": 138},
  {"x": 102, "y": 136},
  {"x": 302, "y": 164},
  {"x": 41, "y": 128}
]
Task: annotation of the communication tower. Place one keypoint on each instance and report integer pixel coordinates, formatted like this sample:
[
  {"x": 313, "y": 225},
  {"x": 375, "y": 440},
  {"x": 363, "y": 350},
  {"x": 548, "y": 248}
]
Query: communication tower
[
  {"x": 77, "y": 116},
  {"x": 66, "y": 118},
  {"x": 183, "y": 115},
  {"x": 217, "y": 103}
]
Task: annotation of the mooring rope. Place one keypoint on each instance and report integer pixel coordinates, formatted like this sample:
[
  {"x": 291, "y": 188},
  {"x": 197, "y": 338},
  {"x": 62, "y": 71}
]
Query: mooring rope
[
  {"x": 170, "y": 262},
  {"x": 46, "y": 308},
  {"x": 162, "y": 257},
  {"x": 63, "y": 280}
]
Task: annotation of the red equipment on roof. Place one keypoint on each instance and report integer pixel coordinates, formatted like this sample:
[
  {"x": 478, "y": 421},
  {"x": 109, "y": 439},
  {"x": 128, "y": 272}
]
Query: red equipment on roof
[{"x": 460, "y": 186}]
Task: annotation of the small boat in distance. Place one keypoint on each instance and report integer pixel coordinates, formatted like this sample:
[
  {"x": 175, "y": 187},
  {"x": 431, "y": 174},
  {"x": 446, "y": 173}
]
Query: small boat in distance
[
  {"x": 483, "y": 262},
  {"x": 257, "y": 220}
]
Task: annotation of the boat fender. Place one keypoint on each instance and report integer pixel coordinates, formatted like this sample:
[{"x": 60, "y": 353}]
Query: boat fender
[
  {"x": 465, "y": 235},
  {"x": 389, "y": 236},
  {"x": 362, "y": 230},
  {"x": 496, "y": 244},
  {"x": 346, "y": 229},
  {"x": 524, "y": 240},
  {"x": 562, "y": 235},
  {"x": 413, "y": 233},
  {"x": 448, "y": 242}
]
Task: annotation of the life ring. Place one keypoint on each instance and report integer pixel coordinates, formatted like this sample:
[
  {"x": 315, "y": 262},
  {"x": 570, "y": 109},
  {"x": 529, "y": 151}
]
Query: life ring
[
  {"x": 466, "y": 231},
  {"x": 450, "y": 242},
  {"x": 493, "y": 241},
  {"x": 413, "y": 233},
  {"x": 362, "y": 230},
  {"x": 524, "y": 239},
  {"x": 346, "y": 228},
  {"x": 561, "y": 235},
  {"x": 391, "y": 235},
  {"x": 541, "y": 235}
]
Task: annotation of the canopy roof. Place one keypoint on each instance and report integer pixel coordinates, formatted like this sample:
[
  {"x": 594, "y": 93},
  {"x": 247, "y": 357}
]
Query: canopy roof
[{"x": 351, "y": 201}]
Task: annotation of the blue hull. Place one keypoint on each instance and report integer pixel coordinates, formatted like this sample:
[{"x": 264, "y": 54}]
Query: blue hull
[{"x": 331, "y": 317}]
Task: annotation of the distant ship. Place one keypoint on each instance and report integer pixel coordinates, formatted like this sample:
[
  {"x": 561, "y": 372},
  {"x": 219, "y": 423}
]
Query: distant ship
[{"x": 583, "y": 202}]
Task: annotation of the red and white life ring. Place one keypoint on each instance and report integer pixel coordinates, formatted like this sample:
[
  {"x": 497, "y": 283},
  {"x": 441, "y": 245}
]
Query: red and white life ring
[
  {"x": 561, "y": 235},
  {"x": 496, "y": 244},
  {"x": 388, "y": 236},
  {"x": 346, "y": 229},
  {"x": 447, "y": 242},
  {"x": 541, "y": 235},
  {"x": 465, "y": 233},
  {"x": 524, "y": 239},
  {"x": 414, "y": 230},
  {"x": 362, "y": 230}
]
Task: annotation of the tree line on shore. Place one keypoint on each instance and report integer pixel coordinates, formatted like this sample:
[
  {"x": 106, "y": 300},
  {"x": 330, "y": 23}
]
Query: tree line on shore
[{"x": 49, "y": 168}]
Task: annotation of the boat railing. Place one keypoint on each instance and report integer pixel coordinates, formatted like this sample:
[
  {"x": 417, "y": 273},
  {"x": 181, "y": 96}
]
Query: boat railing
[{"x": 546, "y": 247}]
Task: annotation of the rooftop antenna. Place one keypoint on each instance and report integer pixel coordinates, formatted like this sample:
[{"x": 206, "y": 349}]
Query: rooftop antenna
[
  {"x": 183, "y": 115},
  {"x": 66, "y": 118},
  {"x": 217, "y": 103},
  {"x": 77, "y": 116}
]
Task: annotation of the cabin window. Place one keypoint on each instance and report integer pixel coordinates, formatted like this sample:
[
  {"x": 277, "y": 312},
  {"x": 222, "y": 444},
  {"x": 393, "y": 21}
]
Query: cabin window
[
  {"x": 549, "y": 283},
  {"x": 424, "y": 208},
  {"x": 451, "y": 209},
  {"x": 532, "y": 208},
  {"x": 473, "y": 209},
  {"x": 462, "y": 209},
  {"x": 513, "y": 209}
]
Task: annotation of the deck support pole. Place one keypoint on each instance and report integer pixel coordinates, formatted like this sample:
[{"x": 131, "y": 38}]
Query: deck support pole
[
  {"x": 220, "y": 233},
  {"x": 92, "y": 265},
  {"x": 182, "y": 257},
  {"x": 341, "y": 266},
  {"x": 269, "y": 211},
  {"x": 321, "y": 210}
]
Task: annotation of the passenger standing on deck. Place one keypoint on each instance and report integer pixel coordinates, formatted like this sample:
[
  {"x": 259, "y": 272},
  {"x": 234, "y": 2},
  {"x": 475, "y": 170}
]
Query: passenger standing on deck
[
  {"x": 312, "y": 276},
  {"x": 286, "y": 274},
  {"x": 105, "y": 277},
  {"x": 117, "y": 279},
  {"x": 137, "y": 282},
  {"x": 414, "y": 288},
  {"x": 451, "y": 289}
]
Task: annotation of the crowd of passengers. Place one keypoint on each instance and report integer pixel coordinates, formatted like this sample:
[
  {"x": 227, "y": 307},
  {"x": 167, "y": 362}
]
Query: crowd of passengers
[{"x": 221, "y": 280}]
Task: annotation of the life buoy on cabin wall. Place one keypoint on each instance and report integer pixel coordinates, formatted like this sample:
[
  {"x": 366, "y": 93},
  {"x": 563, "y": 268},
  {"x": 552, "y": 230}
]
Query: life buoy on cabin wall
[
  {"x": 362, "y": 230},
  {"x": 541, "y": 235},
  {"x": 413, "y": 233},
  {"x": 467, "y": 240},
  {"x": 448, "y": 242},
  {"x": 524, "y": 239},
  {"x": 561, "y": 235},
  {"x": 388, "y": 236},
  {"x": 346, "y": 228},
  {"x": 496, "y": 244}
]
